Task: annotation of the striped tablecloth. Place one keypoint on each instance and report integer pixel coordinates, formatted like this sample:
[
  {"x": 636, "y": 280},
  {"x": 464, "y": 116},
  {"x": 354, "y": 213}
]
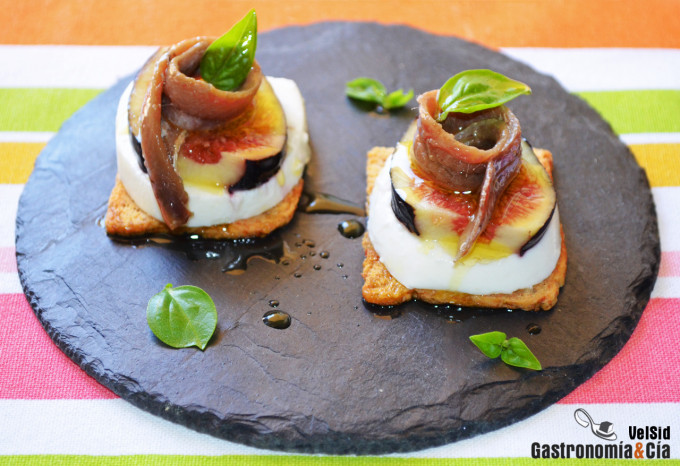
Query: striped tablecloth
[{"x": 623, "y": 57}]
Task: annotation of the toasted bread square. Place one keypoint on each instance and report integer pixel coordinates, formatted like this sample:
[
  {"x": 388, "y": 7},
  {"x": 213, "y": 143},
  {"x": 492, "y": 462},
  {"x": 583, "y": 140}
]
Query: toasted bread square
[
  {"x": 125, "y": 218},
  {"x": 381, "y": 288}
]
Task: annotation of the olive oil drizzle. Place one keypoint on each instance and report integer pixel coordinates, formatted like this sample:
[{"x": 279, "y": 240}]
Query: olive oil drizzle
[
  {"x": 321, "y": 203},
  {"x": 238, "y": 253}
]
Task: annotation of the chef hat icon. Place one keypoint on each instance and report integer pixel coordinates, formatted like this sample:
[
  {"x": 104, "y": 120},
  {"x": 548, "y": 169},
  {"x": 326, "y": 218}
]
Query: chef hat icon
[{"x": 604, "y": 430}]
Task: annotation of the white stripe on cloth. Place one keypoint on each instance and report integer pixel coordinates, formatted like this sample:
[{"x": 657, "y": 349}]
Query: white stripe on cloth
[
  {"x": 666, "y": 287},
  {"x": 69, "y": 66},
  {"x": 115, "y": 427},
  {"x": 578, "y": 69},
  {"x": 9, "y": 200},
  {"x": 25, "y": 136},
  {"x": 9, "y": 283},
  {"x": 650, "y": 138},
  {"x": 100, "y": 427},
  {"x": 667, "y": 200},
  {"x": 604, "y": 69}
]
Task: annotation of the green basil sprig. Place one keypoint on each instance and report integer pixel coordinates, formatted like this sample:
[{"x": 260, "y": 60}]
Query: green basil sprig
[
  {"x": 228, "y": 60},
  {"x": 182, "y": 316},
  {"x": 512, "y": 351},
  {"x": 373, "y": 91},
  {"x": 474, "y": 90}
]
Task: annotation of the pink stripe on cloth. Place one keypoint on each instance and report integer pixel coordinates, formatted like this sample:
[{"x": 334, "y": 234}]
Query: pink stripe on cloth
[
  {"x": 8, "y": 261},
  {"x": 647, "y": 369},
  {"x": 31, "y": 366},
  {"x": 670, "y": 264}
]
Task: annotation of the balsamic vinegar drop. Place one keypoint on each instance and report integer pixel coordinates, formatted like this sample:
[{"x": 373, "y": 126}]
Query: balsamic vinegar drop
[
  {"x": 351, "y": 229},
  {"x": 533, "y": 329},
  {"x": 320, "y": 203},
  {"x": 276, "y": 319}
]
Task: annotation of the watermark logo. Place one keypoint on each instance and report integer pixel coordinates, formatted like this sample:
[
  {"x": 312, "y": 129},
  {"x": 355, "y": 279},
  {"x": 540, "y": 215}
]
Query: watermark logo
[
  {"x": 604, "y": 430},
  {"x": 646, "y": 442}
]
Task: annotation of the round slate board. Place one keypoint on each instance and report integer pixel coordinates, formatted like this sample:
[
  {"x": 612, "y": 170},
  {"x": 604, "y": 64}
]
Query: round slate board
[{"x": 339, "y": 380}]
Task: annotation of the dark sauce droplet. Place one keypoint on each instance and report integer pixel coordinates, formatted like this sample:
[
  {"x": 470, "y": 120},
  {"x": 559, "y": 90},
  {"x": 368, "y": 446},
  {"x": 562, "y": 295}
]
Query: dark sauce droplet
[
  {"x": 273, "y": 303},
  {"x": 297, "y": 275},
  {"x": 324, "y": 254},
  {"x": 248, "y": 249},
  {"x": 533, "y": 329},
  {"x": 317, "y": 267},
  {"x": 276, "y": 319},
  {"x": 451, "y": 313},
  {"x": 455, "y": 314},
  {"x": 383, "y": 312},
  {"x": 320, "y": 203},
  {"x": 237, "y": 253},
  {"x": 340, "y": 265},
  {"x": 351, "y": 228}
]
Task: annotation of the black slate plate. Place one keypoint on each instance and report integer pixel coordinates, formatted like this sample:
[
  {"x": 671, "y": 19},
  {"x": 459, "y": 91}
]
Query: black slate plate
[{"x": 339, "y": 380}]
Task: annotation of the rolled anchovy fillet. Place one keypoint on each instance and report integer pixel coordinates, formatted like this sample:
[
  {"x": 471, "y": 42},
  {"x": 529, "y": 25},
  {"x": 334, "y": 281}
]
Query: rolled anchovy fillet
[
  {"x": 200, "y": 98},
  {"x": 478, "y": 153},
  {"x": 167, "y": 185}
]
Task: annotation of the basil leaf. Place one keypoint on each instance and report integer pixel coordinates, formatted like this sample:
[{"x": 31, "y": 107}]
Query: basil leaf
[
  {"x": 373, "y": 91},
  {"x": 491, "y": 344},
  {"x": 183, "y": 316},
  {"x": 397, "y": 99},
  {"x": 474, "y": 90},
  {"x": 227, "y": 62},
  {"x": 517, "y": 354},
  {"x": 366, "y": 89}
]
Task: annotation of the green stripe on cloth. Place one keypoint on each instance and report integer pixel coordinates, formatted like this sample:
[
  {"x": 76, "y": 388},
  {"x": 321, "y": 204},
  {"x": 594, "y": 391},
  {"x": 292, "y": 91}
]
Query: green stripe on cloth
[
  {"x": 257, "y": 460},
  {"x": 627, "y": 111},
  {"x": 637, "y": 111},
  {"x": 40, "y": 109}
]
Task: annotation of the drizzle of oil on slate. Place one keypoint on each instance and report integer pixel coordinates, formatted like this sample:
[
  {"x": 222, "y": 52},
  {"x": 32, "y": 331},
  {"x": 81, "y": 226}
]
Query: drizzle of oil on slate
[{"x": 338, "y": 380}]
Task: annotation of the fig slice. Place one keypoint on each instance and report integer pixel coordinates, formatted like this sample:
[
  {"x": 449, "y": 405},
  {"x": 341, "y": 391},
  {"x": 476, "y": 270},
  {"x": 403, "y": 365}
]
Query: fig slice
[
  {"x": 521, "y": 212},
  {"x": 243, "y": 152}
]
